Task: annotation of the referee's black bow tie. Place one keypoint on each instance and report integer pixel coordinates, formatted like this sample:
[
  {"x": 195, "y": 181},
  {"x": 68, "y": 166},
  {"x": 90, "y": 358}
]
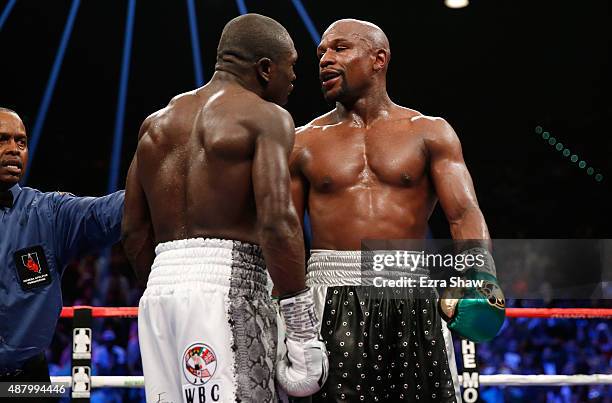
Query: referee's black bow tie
[{"x": 6, "y": 199}]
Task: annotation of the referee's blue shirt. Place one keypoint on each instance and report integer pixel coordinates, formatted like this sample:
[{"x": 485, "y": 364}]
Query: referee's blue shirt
[{"x": 38, "y": 237}]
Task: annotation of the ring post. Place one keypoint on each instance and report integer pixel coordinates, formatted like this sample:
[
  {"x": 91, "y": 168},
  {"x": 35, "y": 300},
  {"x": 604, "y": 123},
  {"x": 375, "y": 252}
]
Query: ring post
[{"x": 81, "y": 354}]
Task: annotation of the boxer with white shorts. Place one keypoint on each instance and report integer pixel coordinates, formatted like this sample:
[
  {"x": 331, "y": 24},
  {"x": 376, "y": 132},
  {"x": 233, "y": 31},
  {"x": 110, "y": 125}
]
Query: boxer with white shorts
[
  {"x": 208, "y": 213},
  {"x": 226, "y": 337}
]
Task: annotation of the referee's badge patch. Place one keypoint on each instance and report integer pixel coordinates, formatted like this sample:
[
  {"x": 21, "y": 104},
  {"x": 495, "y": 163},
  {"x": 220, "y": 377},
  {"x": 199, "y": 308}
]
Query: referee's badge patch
[
  {"x": 31, "y": 262},
  {"x": 32, "y": 268}
]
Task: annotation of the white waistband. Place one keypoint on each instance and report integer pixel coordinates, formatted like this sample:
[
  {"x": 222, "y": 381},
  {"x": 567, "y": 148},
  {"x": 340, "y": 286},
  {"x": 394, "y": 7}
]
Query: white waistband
[
  {"x": 353, "y": 267},
  {"x": 218, "y": 261},
  {"x": 192, "y": 243}
]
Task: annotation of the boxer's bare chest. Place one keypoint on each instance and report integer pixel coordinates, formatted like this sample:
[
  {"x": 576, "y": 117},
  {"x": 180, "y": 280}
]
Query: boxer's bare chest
[{"x": 343, "y": 155}]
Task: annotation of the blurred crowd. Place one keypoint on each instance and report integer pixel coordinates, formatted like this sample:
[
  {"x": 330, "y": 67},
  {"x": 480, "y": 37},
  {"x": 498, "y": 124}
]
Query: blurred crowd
[
  {"x": 106, "y": 280},
  {"x": 529, "y": 346},
  {"x": 524, "y": 346}
]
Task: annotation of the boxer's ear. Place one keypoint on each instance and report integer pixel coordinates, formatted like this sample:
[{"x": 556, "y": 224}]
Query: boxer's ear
[
  {"x": 381, "y": 60},
  {"x": 264, "y": 69}
]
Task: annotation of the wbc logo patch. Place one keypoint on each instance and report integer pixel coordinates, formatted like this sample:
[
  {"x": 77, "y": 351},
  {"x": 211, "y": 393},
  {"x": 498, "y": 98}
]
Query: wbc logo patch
[
  {"x": 32, "y": 268},
  {"x": 199, "y": 365}
]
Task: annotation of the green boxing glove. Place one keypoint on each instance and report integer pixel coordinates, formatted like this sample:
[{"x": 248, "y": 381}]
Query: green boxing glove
[{"x": 475, "y": 313}]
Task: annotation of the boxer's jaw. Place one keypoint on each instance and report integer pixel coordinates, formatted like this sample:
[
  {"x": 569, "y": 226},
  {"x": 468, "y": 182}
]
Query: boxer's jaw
[{"x": 332, "y": 82}]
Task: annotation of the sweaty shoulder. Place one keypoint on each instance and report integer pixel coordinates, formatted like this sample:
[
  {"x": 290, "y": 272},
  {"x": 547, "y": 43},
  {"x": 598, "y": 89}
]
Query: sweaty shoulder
[
  {"x": 317, "y": 126},
  {"x": 163, "y": 119},
  {"x": 265, "y": 117},
  {"x": 401, "y": 112},
  {"x": 321, "y": 122},
  {"x": 437, "y": 133}
]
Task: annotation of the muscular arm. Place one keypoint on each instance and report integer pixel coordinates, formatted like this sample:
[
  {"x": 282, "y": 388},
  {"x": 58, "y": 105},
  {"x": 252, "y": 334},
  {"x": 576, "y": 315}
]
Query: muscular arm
[
  {"x": 137, "y": 230},
  {"x": 299, "y": 184},
  {"x": 280, "y": 233},
  {"x": 453, "y": 183}
]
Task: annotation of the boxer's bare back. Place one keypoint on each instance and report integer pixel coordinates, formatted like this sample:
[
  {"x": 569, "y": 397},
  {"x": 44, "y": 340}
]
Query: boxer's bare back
[{"x": 195, "y": 159}]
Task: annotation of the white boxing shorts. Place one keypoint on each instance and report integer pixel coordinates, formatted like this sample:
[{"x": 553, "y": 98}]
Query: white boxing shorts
[{"x": 207, "y": 324}]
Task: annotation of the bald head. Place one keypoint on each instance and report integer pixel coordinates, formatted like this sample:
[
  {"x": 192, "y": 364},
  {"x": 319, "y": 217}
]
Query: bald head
[
  {"x": 7, "y": 110},
  {"x": 250, "y": 37},
  {"x": 361, "y": 30},
  {"x": 353, "y": 60}
]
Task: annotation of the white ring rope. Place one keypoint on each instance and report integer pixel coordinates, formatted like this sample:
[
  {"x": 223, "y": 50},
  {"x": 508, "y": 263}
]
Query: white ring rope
[
  {"x": 485, "y": 380},
  {"x": 543, "y": 380}
]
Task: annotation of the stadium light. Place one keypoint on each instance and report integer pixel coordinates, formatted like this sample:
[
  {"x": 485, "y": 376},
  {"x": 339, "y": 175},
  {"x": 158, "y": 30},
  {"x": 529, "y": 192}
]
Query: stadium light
[{"x": 456, "y": 3}]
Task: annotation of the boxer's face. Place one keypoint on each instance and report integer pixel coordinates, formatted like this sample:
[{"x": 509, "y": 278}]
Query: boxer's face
[
  {"x": 13, "y": 149},
  {"x": 282, "y": 78},
  {"x": 345, "y": 62}
]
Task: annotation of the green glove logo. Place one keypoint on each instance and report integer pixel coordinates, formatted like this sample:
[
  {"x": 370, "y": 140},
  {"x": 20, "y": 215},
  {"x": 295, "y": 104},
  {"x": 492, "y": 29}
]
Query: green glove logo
[{"x": 493, "y": 293}]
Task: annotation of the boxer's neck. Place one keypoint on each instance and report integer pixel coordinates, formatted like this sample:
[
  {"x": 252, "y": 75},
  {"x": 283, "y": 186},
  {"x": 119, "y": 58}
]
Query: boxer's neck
[
  {"x": 367, "y": 108},
  {"x": 223, "y": 76}
]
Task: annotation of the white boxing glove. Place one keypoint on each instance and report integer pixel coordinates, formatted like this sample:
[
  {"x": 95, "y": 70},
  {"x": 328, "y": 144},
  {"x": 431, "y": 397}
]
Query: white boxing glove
[{"x": 303, "y": 370}]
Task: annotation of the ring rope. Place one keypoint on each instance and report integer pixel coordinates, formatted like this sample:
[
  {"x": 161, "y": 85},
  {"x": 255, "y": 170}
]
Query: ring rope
[
  {"x": 84, "y": 321},
  {"x": 485, "y": 380},
  {"x": 570, "y": 313}
]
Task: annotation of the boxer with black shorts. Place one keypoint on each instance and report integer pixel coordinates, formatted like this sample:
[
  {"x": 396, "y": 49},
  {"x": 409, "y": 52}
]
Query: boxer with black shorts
[
  {"x": 208, "y": 210},
  {"x": 371, "y": 169}
]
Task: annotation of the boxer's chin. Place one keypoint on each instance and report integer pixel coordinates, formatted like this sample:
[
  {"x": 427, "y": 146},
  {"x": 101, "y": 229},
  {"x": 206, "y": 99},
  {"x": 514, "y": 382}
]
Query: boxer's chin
[{"x": 331, "y": 96}]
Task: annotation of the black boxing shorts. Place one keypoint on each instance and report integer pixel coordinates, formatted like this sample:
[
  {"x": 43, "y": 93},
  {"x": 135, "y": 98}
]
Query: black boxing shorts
[{"x": 385, "y": 344}]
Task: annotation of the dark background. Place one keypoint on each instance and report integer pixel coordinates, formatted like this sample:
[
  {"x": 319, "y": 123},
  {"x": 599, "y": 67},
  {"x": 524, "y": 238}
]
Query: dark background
[{"x": 494, "y": 70}]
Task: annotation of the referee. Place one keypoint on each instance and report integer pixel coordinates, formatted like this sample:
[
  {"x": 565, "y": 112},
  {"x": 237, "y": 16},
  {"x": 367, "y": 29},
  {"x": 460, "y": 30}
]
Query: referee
[{"x": 39, "y": 234}]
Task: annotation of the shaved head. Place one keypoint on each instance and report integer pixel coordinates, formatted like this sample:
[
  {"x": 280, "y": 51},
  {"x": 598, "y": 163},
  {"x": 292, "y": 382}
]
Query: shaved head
[
  {"x": 7, "y": 110},
  {"x": 353, "y": 60},
  {"x": 363, "y": 30},
  {"x": 251, "y": 37}
]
